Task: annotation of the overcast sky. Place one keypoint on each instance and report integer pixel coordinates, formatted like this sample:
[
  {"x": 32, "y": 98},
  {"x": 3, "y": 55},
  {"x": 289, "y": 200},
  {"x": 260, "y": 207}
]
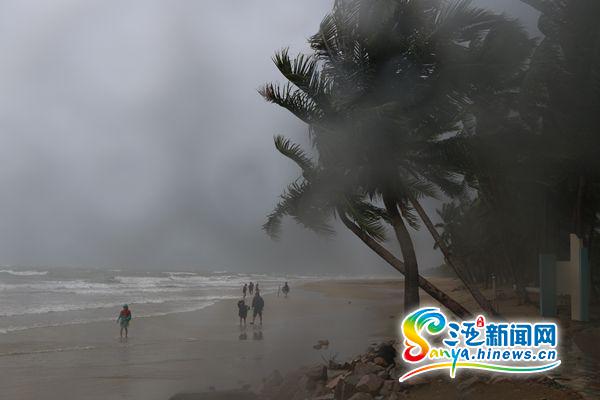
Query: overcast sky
[{"x": 131, "y": 135}]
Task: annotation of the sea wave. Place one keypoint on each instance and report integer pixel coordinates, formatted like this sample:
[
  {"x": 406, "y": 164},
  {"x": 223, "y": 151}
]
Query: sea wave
[
  {"x": 191, "y": 308},
  {"x": 54, "y": 308},
  {"x": 23, "y": 273}
]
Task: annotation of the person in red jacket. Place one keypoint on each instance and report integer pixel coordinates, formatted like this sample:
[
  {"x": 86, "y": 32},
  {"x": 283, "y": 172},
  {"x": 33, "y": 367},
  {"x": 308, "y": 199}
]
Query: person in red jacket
[{"x": 123, "y": 320}]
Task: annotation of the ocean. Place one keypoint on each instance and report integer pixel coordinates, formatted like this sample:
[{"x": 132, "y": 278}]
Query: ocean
[{"x": 34, "y": 298}]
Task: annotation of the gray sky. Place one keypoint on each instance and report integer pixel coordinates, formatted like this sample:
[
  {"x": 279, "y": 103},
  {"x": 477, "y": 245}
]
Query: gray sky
[{"x": 132, "y": 136}]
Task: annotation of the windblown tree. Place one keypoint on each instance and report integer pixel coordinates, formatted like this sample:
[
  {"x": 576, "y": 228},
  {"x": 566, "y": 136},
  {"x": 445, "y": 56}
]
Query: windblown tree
[
  {"x": 561, "y": 99},
  {"x": 533, "y": 156},
  {"x": 387, "y": 83},
  {"x": 316, "y": 197}
]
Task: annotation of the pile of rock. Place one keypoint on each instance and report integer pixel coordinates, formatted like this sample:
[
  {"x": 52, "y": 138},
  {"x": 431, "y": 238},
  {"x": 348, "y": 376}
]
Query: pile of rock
[
  {"x": 370, "y": 376},
  {"x": 374, "y": 376}
]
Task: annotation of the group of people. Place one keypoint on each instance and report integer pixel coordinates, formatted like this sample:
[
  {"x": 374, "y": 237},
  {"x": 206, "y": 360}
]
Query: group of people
[
  {"x": 257, "y": 305},
  {"x": 250, "y": 288}
]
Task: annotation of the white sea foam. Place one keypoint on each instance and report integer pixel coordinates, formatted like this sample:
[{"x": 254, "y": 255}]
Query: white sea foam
[
  {"x": 191, "y": 308},
  {"x": 31, "y": 299},
  {"x": 23, "y": 273}
]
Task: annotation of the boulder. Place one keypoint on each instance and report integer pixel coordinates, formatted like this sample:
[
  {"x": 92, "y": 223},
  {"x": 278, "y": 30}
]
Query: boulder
[
  {"x": 380, "y": 361},
  {"x": 387, "y": 388},
  {"x": 334, "y": 382},
  {"x": 344, "y": 390},
  {"x": 363, "y": 368},
  {"x": 369, "y": 384}
]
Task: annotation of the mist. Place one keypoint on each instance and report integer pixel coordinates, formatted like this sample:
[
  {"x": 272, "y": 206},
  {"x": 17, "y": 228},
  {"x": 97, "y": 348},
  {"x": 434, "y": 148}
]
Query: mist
[{"x": 133, "y": 136}]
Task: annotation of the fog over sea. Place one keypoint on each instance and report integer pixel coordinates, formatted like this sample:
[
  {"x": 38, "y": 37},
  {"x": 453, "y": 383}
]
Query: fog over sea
[{"x": 33, "y": 298}]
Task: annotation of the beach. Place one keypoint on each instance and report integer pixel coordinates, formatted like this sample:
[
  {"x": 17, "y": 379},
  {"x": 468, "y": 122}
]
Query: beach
[
  {"x": 205, "y": 350},
  {"x": 197, "y": 350}
]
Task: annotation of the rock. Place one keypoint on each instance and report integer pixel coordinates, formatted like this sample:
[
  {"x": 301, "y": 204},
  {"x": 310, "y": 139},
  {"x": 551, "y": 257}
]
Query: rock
[
  {"x": 387, "y": 388},
  {"x": 328, "y": 396},
  {"x": 362, "y": 368},
  {"x": 344, "y": 390},
  {"x": 395, "y": 396},
  {"x": 361, "y": 396},
  {"x": 369, "y": 383},
  {"x": 380, "y": 361},
  {"x": 334, "y": 382},
  {"x": 387, "y": 352},
  {"x": 332, "y": 373},
  {"x": 383, "y": 374}
]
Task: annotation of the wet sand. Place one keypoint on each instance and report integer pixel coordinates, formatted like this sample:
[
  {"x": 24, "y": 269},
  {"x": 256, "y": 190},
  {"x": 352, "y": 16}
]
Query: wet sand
[
  {"x": 194, "y": 351},
  {"x": 204, "y": 350}
]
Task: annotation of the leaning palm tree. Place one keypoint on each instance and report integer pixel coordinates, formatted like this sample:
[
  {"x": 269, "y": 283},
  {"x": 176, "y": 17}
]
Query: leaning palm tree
[
  {"x": 315, "y": 198},
  {"x": 385, "y": 83}
]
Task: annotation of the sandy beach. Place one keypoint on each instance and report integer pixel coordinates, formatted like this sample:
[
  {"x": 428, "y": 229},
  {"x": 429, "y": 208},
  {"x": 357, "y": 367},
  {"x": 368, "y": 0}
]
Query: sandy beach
[
  {"x": 196, "y": 351},
  {"x": 206, "y": 350}
]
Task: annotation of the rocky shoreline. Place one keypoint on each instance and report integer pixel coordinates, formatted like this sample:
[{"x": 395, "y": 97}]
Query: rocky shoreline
[{"x": 374, "y": 376}]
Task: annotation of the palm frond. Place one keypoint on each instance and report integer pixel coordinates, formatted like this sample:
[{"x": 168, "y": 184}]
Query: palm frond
[
  {"x": 458, "y": 20},
  {"x": 294, "y": 152},
  {"x": 367, "y": 216},
  {"x": 294, "y": 100}
]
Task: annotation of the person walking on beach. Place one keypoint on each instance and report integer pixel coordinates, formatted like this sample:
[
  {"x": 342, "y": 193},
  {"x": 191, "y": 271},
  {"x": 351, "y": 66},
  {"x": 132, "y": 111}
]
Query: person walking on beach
[
  {"x": 123, "y": 320},
  {"x": 256, "y": 289},
  {"x": 242, "y": 311},
  {"x": 286, "y": 289},
  {"x": 245, "y": 289},
  {"x": 257, "y": 305},
  {"x": 251, "y": 288}
]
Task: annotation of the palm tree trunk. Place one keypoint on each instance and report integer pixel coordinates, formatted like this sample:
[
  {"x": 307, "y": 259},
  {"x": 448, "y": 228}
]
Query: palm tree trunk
[
  {"x": 483, "y": 302},
  {"x": 442, "y": 298},
  {"x": 411, "y": 282}
]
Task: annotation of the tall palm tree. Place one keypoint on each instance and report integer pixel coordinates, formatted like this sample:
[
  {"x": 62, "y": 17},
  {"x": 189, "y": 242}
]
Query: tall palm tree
[
  {"x": 315, "y": 198},
  {"x": 385, "y": 84}
]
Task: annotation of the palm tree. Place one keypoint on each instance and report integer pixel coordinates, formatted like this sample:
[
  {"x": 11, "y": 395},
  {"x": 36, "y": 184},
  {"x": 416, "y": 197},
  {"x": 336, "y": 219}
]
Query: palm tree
[
  {"x": 313, "y": 200},
  {"x": 385, "y": 83},
  {"x": 561, "y": 98}
]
